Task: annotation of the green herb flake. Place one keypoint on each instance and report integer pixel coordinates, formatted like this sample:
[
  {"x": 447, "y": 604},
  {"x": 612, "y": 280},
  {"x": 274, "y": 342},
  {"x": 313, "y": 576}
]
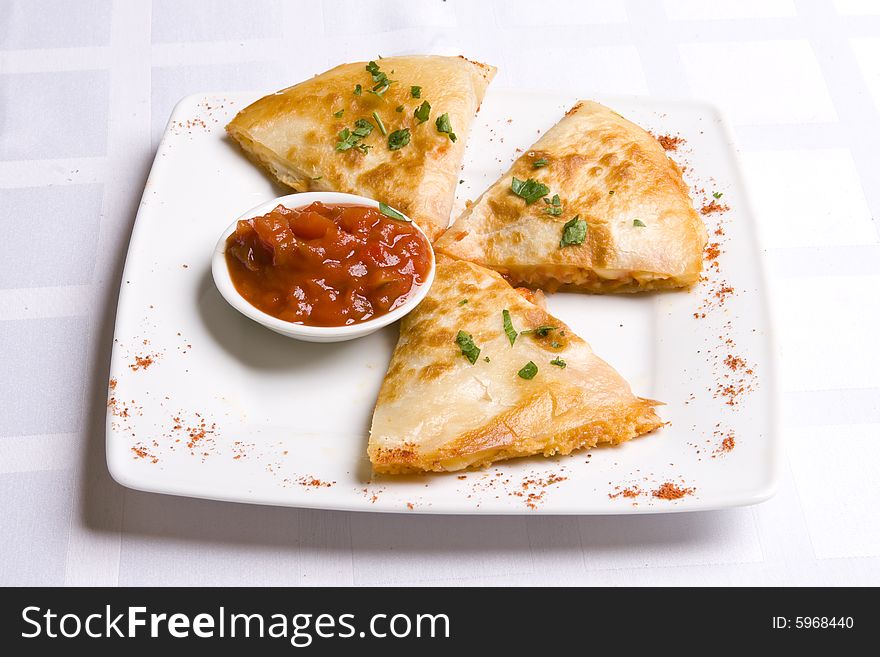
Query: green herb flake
[
  {"x": 540, "y": 331},
  {"x": 555, "y": 208},
  {"x": 530, "y": 190},
  {"x": 717, "y": 195},
  {"x": 380, "y": 124},
  {"x": 528, "y": 371},
  {"x": 555, "y": 344},
  {"x": 508, "y": 326},
  {"x": 339, "y": 114},
  {"x": 558, "y": 362},
  {"x": 422, "y": 112},
  {"x": 391, "y": 212},
  {"x": 573, "y": 232},
  {"x": 357, "y": 90},
  {"x": 537, "y": 164},
  {"x": 611, "y": 193},
  {"x": 486, "y": 359},
  {"x": 345, "y": 141},
  {"x": 382, "y": 81},
  {"x": 349, "y": 139},
  {"x": 362, "y": 128},
  {"x": 469, "y": 350},
  {"x": 638, "y": 223},
  {"x": 399, "y": 108},
  {"x": 415, "y": 92},
  {"x": 444, "y": 125},
  {"x": 462, "y": 302},
  {"x": 398, "y": 139}
]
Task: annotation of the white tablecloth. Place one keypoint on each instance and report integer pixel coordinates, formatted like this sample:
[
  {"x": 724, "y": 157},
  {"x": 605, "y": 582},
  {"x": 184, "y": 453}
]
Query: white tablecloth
[{"x": 85, "y": 91}]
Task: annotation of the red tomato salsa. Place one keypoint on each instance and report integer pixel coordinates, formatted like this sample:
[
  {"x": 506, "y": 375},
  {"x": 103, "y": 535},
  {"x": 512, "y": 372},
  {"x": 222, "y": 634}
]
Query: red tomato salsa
[{"x": 327, "y": 265}]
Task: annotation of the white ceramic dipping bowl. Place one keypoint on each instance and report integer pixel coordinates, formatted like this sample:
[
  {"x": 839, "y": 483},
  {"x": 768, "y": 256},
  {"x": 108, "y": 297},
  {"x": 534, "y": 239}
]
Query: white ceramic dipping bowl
[{"x": 223, "y": 280}]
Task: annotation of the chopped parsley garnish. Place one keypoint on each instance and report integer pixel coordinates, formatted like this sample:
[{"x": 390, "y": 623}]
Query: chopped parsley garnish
[
  {"x": 398, "y": 139},
  {"x": 555, "y": 208},
  {"x": 530, "y": 190},
  {"x": 362, "y": 127},
  {"x": 573, "y": 232},
  {"x": 353, "y": 138},
  {"x": 555, "y": 344},
  {"x": 537, "y": 164},
  {"x": 639, "y": 223},
  {"x": 415, "y": 92},
  {"x": 469, "y": 350},
  {"x": 357, "y": 90},
  {"x": 391, "y": 212},
  {"x": 486, "y": 359},
  {"x": 339, "y": 114},
  {"x": 540, "y": 331},
  {"x": 528, "y": 371},
  {"x": 508, "y": 326},
  {"x": 443, "y": 125},
  {"x": 462, "y": 302},
  {"x": 348, "y": 140},
  {"x": 382, "y": 81},
  {"x": 399, "y": 108},
  {"x": 380, "y": 124},
  {"x": 558, "y": 362},
  {"x": 717, "y": 195},
  {"x": 423, "y": 111}
]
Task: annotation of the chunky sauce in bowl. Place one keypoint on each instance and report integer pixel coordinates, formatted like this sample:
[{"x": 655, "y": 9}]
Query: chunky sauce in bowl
[{"x": 327, "y": 265}]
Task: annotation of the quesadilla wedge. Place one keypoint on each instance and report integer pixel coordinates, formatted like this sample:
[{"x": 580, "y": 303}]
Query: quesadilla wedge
[
  {"x": 393, "y": 129},
  {"x": 481, "y": 374},
  {"x": 594, "y": 205}
]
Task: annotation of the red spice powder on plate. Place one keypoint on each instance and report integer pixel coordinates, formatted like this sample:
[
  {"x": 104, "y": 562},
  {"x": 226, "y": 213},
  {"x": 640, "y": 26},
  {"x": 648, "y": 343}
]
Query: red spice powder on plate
[
  {"x": 736, "y": 363},
  {"x": 728, "y": 443},
  {"x": 712, "y": 251},
  {"x": 713, "y": 206},
  {"x": 738, "y": 380},
  {"x": 671, "y": 491},
  {"x": 314, "y": 482},
  {"x": 142, "y": 453},
  {"x": 142, "y": 362},
  {"x": 629, "y": 492},
  {"x": 670, "y": 142}
]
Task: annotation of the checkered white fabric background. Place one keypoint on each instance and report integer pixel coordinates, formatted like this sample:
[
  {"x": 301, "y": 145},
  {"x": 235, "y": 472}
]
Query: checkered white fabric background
[{"x": 85, "y": 91}]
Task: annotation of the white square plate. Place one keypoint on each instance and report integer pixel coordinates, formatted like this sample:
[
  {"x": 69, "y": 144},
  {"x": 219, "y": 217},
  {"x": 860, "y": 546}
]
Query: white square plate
[{"x": 219, "y": 407}]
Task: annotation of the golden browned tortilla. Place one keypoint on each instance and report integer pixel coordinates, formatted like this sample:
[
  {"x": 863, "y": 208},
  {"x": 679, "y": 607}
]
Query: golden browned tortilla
[
  {"x": 294, "y": 133},
  {"x": 639, "y": 228},
  {"x": 439, "y": 411}
]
